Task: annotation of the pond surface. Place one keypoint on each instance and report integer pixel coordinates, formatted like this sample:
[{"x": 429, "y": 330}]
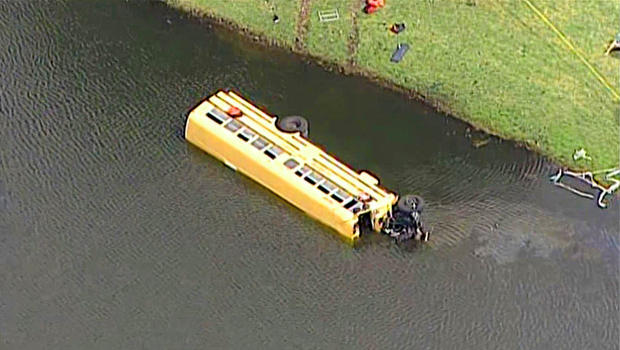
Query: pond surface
[{"x": 117, "y": 234}]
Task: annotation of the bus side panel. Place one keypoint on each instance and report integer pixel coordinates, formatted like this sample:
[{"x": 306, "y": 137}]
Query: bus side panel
[{"x": 272, "y": 174}]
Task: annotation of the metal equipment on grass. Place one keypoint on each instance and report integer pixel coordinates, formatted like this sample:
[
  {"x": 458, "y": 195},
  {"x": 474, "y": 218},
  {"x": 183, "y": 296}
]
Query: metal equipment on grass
[{"x": 328, "y": 15}]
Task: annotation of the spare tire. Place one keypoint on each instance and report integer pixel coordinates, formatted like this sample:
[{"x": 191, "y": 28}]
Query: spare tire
[
  {"x": 410, "y": 203},
  {"x": 293, "y": 123}
]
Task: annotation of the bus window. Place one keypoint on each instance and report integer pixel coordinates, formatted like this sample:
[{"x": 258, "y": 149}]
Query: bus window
[
  {"x": 260, "y": 143},
  {"x": 340, "y": 196},
  {"x": 273, "y": 152},
  {"x": 246, "y": 134},
  {"x": 326, "y": 187},
  {"x": 233, "y": 126},
  {"x": 313, "y": 178},
  {"x": 303, "y": 171},
  {"x": 291, "y": 163},
  {"x": 217, "y": 116}
]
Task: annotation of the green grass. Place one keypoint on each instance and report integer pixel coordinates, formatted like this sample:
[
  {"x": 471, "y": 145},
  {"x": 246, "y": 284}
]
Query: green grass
[
  {"x": 329, "y": 40},
  {"x": 492, "y": 63},
  {"x": 499, "y": 67}
]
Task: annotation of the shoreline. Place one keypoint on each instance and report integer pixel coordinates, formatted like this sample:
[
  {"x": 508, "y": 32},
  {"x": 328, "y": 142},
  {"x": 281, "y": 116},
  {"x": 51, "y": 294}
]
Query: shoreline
[{"x": 350, "y": 68}]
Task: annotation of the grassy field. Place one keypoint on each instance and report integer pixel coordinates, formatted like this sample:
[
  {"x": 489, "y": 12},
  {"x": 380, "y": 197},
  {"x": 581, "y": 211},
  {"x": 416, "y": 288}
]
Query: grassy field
[
  {"x": 492, "y": 63},
  {"x": 330, "y": 40}
]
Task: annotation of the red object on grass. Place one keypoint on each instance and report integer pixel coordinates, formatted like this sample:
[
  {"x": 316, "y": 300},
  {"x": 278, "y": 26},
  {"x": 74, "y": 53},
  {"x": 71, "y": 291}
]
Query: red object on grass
[
  {"x": 370, "y": 9},
  {"x": 373, "y": 5}
]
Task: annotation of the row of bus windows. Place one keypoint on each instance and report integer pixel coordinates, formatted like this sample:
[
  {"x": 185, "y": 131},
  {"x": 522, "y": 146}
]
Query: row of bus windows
[
  {"x": 272, "y": 151},
  {"x": 244, "y": 134},
  {"x": 324, "y": 185}
]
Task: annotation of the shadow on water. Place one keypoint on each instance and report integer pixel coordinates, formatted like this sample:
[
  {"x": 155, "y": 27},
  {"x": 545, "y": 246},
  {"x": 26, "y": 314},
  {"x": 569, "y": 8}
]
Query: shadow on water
[{"x": 115, "y": 233}]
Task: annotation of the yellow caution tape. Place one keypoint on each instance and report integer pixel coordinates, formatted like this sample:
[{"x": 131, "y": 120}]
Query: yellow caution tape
[{"x": 571, "y": 47}]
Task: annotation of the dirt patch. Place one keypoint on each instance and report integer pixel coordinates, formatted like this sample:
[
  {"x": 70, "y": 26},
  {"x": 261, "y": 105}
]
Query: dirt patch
[
  {"x": 302, "y": 25},
  {"x": 354, "y": 36}
]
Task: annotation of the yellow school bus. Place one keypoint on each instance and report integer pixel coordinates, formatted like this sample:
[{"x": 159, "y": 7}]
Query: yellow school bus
[{"x": 284, "y": 160}]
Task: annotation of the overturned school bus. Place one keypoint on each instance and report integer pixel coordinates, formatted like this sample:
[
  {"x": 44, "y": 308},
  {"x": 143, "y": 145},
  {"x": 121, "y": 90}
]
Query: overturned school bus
[{"x": 276, "y": 153}]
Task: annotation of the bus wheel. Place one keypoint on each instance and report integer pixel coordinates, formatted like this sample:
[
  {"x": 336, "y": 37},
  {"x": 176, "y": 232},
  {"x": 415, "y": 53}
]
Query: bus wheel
[{"x": 293, "y": 123}]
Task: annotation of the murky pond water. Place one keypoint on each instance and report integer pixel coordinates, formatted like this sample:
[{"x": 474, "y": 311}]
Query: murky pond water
[{"x": 116, "y": 234}]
